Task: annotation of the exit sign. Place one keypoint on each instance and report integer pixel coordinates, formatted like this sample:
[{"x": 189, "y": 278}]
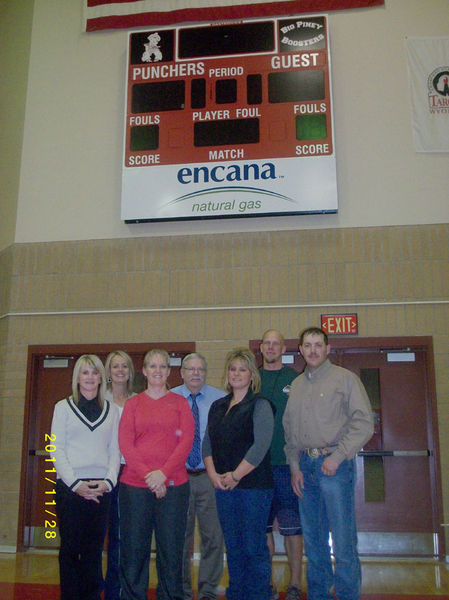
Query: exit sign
[{"x": 340, "y": 324}]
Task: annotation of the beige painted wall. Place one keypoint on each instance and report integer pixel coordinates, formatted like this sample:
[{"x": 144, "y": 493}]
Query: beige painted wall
[
  {"x": 71, "y": 168},
  {"x": 15, "y": 37}
]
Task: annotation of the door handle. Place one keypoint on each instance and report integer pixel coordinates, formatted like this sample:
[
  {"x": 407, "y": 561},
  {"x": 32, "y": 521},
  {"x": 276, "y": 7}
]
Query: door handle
[
  {"x": 39, "y": 453},
  {"x": 394, "y": 453}
]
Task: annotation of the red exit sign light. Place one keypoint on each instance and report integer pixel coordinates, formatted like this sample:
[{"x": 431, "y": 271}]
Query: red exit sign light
[{"x": 340, "y": 324}]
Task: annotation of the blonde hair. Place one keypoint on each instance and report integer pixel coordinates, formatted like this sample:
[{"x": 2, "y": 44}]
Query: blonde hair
[
  {"x": 157, "y": 352},
  {"x": 245, "y": 356},
  {"x": 93, "y": 361},
  {"x": 129, "y": 363}
]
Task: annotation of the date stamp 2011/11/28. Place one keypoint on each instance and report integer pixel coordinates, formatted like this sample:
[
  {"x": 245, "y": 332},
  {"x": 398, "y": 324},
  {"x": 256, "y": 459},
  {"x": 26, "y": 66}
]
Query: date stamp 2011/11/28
[{"x": 50, "y": 524}]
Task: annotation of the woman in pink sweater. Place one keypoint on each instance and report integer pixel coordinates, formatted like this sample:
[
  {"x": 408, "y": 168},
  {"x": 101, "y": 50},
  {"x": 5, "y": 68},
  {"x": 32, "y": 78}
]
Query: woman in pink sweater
[{"x": 155, "y": 436}]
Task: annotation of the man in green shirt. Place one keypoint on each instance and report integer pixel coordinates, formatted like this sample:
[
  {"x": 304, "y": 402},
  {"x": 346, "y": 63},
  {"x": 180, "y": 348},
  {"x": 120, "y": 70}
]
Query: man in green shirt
[{"x": 276, "y": 379}]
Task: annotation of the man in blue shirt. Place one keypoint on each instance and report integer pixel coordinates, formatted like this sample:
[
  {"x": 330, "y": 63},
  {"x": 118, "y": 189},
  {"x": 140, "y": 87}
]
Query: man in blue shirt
[{"x": 200, "y": 397}]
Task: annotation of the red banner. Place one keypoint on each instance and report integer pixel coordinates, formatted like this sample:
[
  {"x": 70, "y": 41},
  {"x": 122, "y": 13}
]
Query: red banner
[{"x": 126, "y": 14}]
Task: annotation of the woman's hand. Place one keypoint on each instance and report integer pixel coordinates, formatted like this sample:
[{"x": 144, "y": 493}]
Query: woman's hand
[
  {"x": 92, "y": 490},
  {"x": 215, "y": 478},
  {"x": 160, "y": 492},
  {"x": 155, "y": 479},
  {"x": 217, "y": 481},
  {"x": 229, "y": 481},
  {"x": 102, "y": 487}
]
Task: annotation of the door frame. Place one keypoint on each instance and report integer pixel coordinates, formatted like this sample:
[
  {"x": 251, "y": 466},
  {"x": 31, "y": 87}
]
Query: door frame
[
  {"x": 35, "y": 354},
  {"x": 340, "y": 345}
]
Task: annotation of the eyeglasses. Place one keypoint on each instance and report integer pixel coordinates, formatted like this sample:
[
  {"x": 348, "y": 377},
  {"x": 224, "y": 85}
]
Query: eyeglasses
[{"x": 193, "y": 369}]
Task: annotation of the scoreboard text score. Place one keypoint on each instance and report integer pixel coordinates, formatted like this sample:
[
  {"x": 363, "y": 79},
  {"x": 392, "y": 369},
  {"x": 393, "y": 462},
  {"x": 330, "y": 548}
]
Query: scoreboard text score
[{"x": 229, "y": 119}]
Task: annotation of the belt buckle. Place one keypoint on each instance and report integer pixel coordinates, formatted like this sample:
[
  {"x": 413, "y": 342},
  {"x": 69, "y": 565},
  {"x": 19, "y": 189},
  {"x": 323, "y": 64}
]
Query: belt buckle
[{"x": 314, "y": 452}]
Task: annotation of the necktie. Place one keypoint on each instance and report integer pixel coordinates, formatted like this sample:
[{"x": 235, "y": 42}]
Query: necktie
[{"x": 195, "y": 453}]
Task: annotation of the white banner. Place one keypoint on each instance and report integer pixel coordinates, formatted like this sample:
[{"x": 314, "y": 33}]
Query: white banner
[{"x": 428, "y": 62}]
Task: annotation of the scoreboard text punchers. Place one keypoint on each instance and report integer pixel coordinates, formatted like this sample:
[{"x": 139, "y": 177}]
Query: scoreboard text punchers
[{"x": 229, "y": 119}]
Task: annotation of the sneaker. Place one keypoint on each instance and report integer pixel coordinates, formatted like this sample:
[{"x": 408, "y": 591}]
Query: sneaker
[
  {"x": 274, "y": 593},
  {"x": 293, "y": 593}
]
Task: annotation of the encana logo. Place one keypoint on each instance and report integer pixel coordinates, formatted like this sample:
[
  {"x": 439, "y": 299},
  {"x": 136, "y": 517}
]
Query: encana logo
[{"x": 221, "y": 173}]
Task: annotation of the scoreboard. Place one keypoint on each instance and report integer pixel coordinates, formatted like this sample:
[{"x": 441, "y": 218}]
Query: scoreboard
[{"x": 229, "y": 119}]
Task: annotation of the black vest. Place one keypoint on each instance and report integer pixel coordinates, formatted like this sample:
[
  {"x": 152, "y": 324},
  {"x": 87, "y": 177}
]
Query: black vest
[{"x": 231, "y": 436}]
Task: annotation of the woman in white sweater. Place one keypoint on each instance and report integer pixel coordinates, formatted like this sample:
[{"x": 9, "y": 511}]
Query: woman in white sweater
[{"x": 87, "y": 461}]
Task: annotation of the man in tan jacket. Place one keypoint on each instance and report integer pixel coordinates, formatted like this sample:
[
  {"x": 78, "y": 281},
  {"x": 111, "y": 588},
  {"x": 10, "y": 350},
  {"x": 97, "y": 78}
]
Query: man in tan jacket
[{"x": 327, "y": 420}]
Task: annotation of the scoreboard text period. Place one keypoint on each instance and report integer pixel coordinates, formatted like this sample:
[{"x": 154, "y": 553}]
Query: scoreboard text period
[{"x": 229, "y": 119}]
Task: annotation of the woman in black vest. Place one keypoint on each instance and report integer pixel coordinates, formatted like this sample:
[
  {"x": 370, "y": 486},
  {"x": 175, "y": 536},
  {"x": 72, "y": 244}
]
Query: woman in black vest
[{"x": 236, "y": 454}]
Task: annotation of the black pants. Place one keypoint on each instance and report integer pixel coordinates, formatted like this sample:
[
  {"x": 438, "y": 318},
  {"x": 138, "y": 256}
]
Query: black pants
[
  {"x": 111, "y": 583},
  {"x": 81, "y": 527},
  {"x": 141, "y": 513}
]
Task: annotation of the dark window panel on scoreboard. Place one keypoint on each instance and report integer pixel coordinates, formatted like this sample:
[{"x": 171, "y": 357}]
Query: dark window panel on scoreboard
[
  {"x": 226, "y": 91},
  {"x": 296, "y": 86},
  {"x": 254, "y": 89},
  {"x": 311, "y": 127},
  {"x": 198, "y": 93},
  {"x": 220, "y": 40},
  {"x": 144, "y": 137},
  {"x": 158, "y": 96},
  {"x": 221, "y": 133}
]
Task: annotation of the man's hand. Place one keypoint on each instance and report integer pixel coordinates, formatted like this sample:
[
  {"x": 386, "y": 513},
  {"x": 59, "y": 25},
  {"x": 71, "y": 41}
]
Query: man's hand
[
  {"x": 297, "y": 480},
  {"x": 329, "y": 466}
]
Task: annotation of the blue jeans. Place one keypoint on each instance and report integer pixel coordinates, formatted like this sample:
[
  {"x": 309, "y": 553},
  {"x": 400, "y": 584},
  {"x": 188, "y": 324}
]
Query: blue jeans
[
  {"x": 243, "y": 515},
  {"x": 328, "y": 505}
]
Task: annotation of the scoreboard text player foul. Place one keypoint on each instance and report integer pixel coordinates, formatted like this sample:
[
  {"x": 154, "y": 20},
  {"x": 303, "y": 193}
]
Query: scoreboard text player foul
[{"x": 229, "y": 119}]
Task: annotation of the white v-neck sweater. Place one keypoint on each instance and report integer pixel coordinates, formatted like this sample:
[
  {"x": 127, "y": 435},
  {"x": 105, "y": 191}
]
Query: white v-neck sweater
[{"x": 84, "y": 449}]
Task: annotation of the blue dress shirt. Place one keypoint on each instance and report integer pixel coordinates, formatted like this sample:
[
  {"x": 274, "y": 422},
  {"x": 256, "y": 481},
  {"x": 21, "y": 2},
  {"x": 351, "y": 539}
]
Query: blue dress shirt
[{"x": 205, "y": 398}]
